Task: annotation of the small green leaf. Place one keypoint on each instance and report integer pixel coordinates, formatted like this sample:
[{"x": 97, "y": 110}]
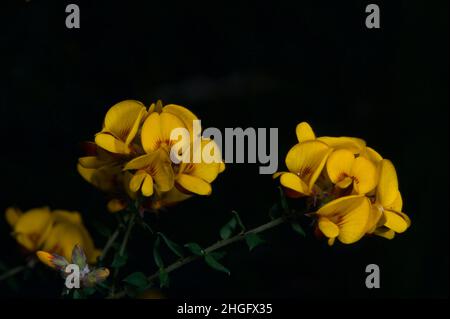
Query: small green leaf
[
  {"x": 77, "y": 294},
  {"x": 283, "y": 201},
  {"x": 89, "y": 291},
  {"x": 218, "y": 254},
  {"x": 195, "y": 249},
  {"x": 147, "y": 227},
  {"x": 174, "y": 247},
  {"x": 274, "y": 211},
  {"x": 238, "y": 219},
  {"x": 227, "y": 230},
  {"x": 163, "y": 278},
  {"x": 137, "y": 279},
  {"x": 119, "y": 260},
  {"x": 297, "y": 228},
  {"x": 253, "y": 240},
  {"x": 156, "y": 255},
  {"x": 213, "y": 263}
]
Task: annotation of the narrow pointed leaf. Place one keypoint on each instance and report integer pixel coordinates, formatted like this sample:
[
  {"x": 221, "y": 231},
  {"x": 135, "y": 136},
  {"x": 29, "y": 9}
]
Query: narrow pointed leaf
[
  {"x": 137, "y": 279},
  {"x": 253, "y": 240},
  {"x": 213, "y": 263},
  {"x": 297, "y": 228},
  {"x": 156, "y": 255},
  {"x": 174, "y": 247},
  {"x": 195, "y": 249}
]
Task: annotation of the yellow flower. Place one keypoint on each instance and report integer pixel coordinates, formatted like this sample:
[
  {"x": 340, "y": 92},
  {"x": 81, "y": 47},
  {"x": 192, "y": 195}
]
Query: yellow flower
[
  {"x": 344, "y": 169},
  {"x": 344, "y": 218},
  {"x": 197, "y": 177},
  {"x": 387, "y": 216},
  {"x": 56, "y": 231},
  {"x": 305, "y": 162},
  {"x": 154, "y": 169},
  {"x": 121, "y": 126}
]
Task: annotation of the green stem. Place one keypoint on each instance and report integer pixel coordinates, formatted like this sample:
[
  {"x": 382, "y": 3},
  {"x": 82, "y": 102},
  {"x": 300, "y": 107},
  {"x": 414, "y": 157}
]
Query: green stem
[
  {"x": 218, "y": 245},
  {"x": 123, "y": 246},
  {"x": 16, "y": 270},
  {"x": 109, "y": 243}
]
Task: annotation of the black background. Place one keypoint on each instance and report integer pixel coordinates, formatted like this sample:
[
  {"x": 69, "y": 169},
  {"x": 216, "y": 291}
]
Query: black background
[{"x": 248, "y": 65}]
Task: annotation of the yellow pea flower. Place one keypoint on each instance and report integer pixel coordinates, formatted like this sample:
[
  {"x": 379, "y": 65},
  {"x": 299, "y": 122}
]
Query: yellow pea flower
[
  {"x": 30, "y": 229},
  {"x": 55, "y": 231},
  {"x": 387, "y": 215},
  {"x": 305, "y": 162},
  {"x": 154, "y": 169},
  {"x": 344, "y": 169},
  {"x": 197, "y": 177},
  {"x": 120, "y": 127},
  {"x": 344, "y": 218}
]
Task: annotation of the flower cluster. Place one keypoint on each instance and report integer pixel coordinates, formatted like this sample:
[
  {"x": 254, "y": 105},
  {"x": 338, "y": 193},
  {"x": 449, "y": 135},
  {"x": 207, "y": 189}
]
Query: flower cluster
[
  {"x": 56, "y": 231},
  {"x": 89, "y": 276},
  {"x": 355, "y": 190},
  {"x": 130, "y": 157}
]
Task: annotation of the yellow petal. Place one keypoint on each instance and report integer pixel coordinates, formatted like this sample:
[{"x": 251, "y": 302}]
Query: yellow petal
[
  {"x": 123, "y": 119},
  {"x": 307, "y": 160},
  {"x": 351, "y": 214},
  {"x": 12, "y": 215},
  {"x": 304, "y": 132},
  {"x": 46, "y": 258},
  {"x": 137, "y": 180},
  {"x": 395, "y": 221},
  {"x": 151, "y": 132},
  {"x": 328, "y": 228},
  {"x": 355, "y": 145},
  {"x": 397, "y": 204},
  {"x": 63, "y": 216},
  {"x": 339, "y": 165},
  {"x": 33, "y": 228},
  {"x": 111, "y": 143},
  {"x": 182, "y": 113},
  {"x": 147, "y": 186},
  {"x": 292, "y": 181},
  {"x": 64, "y": 236},
  {"x": 374, "y": 219},
  {"x": 346, "y": 182},
  {"x": 169, "y": 198},
  {"x": 373, "y": 155},
  {"x": 387, "y": 190},
  {"x": 115, "y": 205},
  {"x": 157, "y": 129},
  {"x": 385, "y": 233},
  {"x": 194, "y": 184},
  {"x": 141, "y": 162},
  {"x": 169, "y": 122},
  {"x": 91, "y": 162},
  {"x": 103, "y": 178},
  {"x": 365, "y": 176}
]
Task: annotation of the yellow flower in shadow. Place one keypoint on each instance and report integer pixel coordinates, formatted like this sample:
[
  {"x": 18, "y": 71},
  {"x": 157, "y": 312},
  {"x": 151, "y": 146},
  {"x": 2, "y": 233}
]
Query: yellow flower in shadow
[
  {"x": 345, "y": 218},
  {"x": 387, "y": 216},
  {"x": 55, "y": 231},
  {"x": 120, "y": 127}
]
